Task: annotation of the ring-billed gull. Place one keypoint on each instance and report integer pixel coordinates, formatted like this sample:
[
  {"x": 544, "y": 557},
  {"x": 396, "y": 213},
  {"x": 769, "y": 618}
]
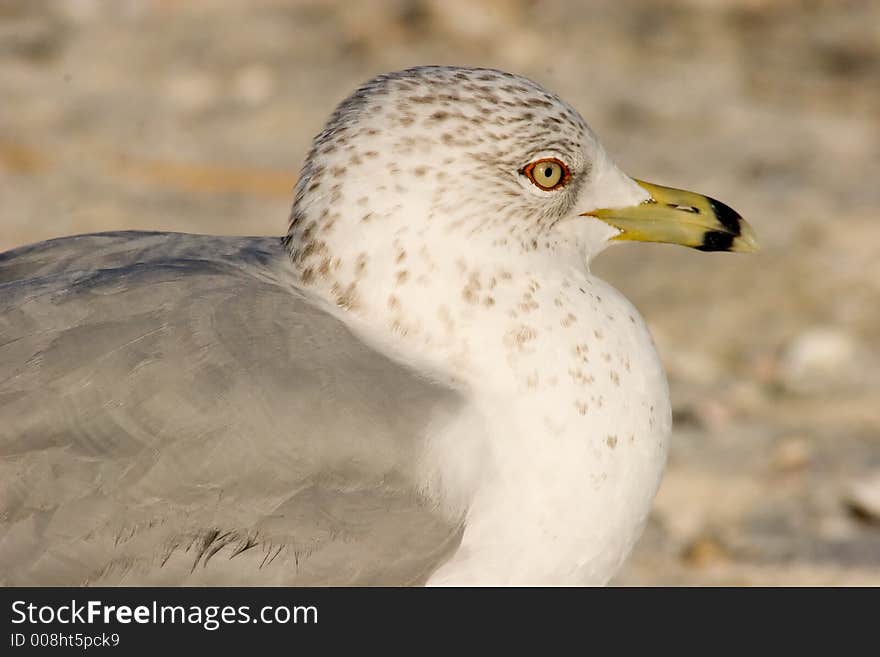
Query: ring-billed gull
[{"x": 421, "y": 382}]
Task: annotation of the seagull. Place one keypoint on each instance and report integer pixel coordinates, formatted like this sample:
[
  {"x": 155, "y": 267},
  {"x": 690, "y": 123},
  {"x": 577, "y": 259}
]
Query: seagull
[{"x": 422, "y": 382}]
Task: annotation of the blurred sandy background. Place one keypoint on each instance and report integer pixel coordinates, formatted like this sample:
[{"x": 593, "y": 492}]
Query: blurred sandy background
[{"x": 196, "y": 116}]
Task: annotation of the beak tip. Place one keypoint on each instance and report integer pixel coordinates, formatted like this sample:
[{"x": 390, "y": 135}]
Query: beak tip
[{"x": 746, "y": 241}]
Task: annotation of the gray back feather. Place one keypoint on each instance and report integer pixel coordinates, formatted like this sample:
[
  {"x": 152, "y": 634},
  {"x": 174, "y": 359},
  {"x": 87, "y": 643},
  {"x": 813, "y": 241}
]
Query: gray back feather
[{"x": 172, "y": 413}]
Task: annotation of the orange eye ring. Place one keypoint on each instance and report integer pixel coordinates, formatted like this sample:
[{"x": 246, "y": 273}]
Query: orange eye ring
[{"x": 547, "y": 174}]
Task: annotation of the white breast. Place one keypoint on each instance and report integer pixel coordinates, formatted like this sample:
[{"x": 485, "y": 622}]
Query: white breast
[{"x": 558, "y": 459}]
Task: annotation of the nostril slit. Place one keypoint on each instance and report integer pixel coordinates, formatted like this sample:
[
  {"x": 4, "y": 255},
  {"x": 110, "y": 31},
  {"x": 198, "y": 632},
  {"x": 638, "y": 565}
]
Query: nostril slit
[{"x": 685, "y": 208}]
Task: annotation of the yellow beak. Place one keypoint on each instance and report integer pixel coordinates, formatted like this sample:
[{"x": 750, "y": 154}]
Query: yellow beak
[{"x": 675, "y": 216}]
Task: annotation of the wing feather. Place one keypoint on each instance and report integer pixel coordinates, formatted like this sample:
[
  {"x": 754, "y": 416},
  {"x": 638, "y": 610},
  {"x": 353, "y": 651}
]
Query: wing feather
[{"x": 172, "y": 413}]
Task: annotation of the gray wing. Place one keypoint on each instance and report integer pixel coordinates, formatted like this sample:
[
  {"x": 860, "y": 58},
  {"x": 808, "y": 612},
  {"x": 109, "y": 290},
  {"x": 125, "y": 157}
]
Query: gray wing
[{"x": 171, "y": 413}]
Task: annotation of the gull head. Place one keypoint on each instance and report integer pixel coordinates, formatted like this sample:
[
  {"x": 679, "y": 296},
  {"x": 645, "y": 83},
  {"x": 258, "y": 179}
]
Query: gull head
[{"x": 455, "y": 159}]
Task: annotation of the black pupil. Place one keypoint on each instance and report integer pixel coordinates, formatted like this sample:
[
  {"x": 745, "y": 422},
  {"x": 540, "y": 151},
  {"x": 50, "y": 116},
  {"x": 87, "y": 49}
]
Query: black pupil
[{"x": 548, "y": 172}]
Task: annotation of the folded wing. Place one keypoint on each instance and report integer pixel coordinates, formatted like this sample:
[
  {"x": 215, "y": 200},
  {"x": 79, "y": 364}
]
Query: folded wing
[{"x": 172, "y": 413}]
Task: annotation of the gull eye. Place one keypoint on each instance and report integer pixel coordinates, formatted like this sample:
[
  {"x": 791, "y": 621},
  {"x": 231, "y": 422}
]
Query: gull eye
[{"x": 547, "y": 173}]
